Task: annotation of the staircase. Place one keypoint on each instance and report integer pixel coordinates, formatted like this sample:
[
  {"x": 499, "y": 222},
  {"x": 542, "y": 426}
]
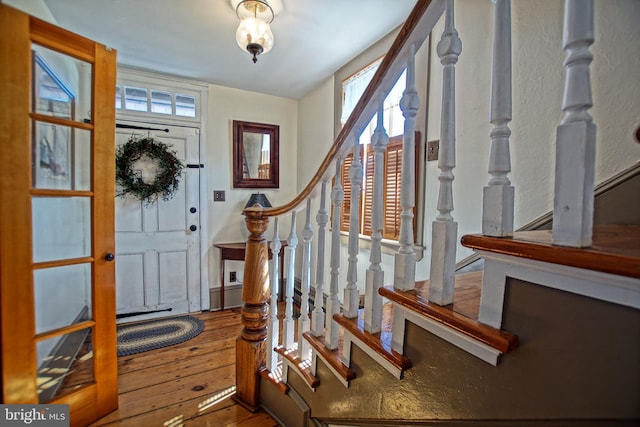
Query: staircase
[{"x": 547, "y": 334}]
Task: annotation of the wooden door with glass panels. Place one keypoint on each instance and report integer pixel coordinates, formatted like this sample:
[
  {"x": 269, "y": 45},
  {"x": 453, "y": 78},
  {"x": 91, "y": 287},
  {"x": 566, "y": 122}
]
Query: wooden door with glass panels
[{"x": 57, "y": 275}]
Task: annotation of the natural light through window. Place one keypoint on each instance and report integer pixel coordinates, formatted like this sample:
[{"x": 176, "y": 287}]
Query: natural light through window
[
  {"x": 155, "y": 101},
  {"x": 393, "y": 120}
]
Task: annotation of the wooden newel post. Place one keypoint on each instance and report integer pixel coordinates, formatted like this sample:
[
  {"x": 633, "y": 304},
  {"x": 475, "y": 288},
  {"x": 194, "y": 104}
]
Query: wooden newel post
[{"x": 251, "y": 344}]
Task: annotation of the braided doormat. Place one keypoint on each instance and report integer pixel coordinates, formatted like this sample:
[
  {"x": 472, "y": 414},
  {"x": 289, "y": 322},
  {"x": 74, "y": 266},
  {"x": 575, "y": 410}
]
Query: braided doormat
[{"x": 138, "y": 337}]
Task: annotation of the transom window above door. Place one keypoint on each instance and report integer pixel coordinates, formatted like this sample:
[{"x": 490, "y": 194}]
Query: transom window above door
[{"x": 156, "y": 101}]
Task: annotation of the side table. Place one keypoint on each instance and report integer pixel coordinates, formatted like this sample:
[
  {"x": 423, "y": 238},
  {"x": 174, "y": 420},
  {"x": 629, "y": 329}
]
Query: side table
[{"x": 236, "y": 252}]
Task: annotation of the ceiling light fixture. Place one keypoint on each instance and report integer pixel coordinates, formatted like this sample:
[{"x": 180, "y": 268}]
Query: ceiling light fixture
[{"x": 254, "y": 33}]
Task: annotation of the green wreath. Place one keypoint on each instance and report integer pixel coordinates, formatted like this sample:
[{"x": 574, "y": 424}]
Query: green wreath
[{"x": 166, "y": 181}]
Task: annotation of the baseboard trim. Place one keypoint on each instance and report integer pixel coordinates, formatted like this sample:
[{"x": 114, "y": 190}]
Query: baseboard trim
[{"x": 232, "y": 297}]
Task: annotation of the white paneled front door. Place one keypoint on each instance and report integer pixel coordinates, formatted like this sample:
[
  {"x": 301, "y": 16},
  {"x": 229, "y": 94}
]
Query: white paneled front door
[{"x": 158, "y": 246}]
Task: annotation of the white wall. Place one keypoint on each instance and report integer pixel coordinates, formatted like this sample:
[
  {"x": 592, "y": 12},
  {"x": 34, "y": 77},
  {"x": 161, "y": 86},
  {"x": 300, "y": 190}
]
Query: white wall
[
  {"x": 538, "y": 78},
  {"x": 225, "y": 221}
]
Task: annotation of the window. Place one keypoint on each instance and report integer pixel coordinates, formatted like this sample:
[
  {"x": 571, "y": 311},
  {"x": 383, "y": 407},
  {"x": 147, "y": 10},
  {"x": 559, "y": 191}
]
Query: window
[
  {"x": 353, "y": 87},
  {"x": 156, "y": 101},
  {"x": 392, "y": 178}
]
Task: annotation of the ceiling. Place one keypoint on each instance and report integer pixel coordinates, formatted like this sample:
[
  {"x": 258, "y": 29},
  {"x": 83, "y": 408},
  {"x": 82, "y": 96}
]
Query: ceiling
[{"x": 195, "y": 39}]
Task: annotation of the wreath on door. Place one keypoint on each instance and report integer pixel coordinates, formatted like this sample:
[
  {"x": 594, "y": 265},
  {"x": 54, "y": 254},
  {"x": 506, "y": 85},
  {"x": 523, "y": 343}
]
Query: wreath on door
[{"x": 134, "y": 160}]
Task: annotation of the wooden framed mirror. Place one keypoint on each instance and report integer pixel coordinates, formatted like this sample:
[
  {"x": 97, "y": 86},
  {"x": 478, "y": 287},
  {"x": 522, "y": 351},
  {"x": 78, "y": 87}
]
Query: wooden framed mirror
[{"x": 256, "y": 149}]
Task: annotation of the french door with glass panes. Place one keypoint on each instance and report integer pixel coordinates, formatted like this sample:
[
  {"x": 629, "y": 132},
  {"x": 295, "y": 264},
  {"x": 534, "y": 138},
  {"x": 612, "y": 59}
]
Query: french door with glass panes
[{"x": 57, "y": 275}]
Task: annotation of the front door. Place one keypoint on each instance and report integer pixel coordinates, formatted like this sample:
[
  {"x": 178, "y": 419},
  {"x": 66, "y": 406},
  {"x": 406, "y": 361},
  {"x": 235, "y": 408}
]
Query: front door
[
  {"x": 57, "y": 275},
  {"x": 158, "y": 245}
]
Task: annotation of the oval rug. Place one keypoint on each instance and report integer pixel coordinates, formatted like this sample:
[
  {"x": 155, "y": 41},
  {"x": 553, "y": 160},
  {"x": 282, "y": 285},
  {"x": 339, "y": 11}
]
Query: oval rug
[{"x": 157, "y": 333}]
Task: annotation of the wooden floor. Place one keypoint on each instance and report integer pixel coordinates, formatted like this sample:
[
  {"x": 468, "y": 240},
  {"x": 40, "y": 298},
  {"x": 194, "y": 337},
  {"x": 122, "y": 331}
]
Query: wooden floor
[{"x": 189, "y": 384}]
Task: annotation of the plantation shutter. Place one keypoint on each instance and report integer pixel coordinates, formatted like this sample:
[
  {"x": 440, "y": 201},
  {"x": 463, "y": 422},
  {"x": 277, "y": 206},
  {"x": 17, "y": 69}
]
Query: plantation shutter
[
  {"x": 392, "y": 181},
  {"x": 346, "y": 186},
  {"x": 367, "y": 202}
]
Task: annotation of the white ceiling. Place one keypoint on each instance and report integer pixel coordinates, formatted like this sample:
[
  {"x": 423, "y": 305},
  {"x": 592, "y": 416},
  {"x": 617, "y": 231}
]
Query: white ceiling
[{"x": 195, "y": 39}]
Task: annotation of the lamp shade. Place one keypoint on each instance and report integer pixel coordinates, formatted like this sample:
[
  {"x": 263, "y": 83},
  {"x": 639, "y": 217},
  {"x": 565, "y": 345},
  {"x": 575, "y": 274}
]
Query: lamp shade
[{"x": 258, "y": 199}]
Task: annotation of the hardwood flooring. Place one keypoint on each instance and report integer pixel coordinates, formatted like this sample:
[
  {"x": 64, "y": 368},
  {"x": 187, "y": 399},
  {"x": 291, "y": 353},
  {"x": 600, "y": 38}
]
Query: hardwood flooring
[{"x": 189, "y": 384}]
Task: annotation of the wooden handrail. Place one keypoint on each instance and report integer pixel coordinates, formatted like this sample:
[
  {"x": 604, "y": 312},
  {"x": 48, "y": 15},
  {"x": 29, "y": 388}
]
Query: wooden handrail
[
  {"x": 251, "y": 345},
  {"x": 415, "y": 30}
]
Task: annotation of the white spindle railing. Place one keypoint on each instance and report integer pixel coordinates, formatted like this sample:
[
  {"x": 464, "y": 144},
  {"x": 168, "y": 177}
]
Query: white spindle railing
[
  {"x": 405, "y": 259},
  {"x": 322, "y": 218},
  {"x": 444, "y": 228},
  {"x": 573, "y": 209},
  {"x": 351, "y": 293},
  {"x": 333, "y": 303},
  {"x": 498, "y": 196},
  {"x": 375, "y": 274},
  {"x": 304, "y": 321},
  {"x": 576, "y": 134},
  {"x": 290, "y": 253},
  {"x": 497, "y": 210},
  {"x": 274, "y": 324}
]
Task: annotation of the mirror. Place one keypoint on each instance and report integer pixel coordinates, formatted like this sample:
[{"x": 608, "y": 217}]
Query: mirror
[{"x": 255, "y": 155}]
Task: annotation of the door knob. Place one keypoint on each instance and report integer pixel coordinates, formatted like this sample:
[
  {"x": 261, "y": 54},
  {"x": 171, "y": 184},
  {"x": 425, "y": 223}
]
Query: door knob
[
  {"x": 109, "y": 257},
  {"x": 193, "y": 210},
  {"x": 193, "y": 228}
]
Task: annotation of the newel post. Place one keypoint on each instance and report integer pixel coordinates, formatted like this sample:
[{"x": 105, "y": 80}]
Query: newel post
[{"x": 251, "y": 344}]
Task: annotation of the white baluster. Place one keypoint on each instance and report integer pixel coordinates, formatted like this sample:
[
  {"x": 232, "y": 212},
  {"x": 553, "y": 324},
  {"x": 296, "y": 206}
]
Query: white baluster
[
  {"x": 375, "y": 274},
  {"x": 405, "y": 259},
  {"x": 303, "y": 320},
  {"x": 333, "y": 303},
  {"x": 322, "y": 218},
  {"x": 444, "y": 229},
  {"x": 290, "y": 250},
  {"x": 576, "y": 134},
  {"x": 498, "y": 196},
  {"x": 274, "y": 327},
  {"x": 351, "y": 294}
]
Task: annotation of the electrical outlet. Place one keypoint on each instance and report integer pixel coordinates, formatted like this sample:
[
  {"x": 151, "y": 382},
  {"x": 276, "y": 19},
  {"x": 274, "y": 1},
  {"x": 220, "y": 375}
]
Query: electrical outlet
[
  {"x": 433, "y": 149},
  {"x": 232, "y": 276},
  {"x": 218, "y": 196}
]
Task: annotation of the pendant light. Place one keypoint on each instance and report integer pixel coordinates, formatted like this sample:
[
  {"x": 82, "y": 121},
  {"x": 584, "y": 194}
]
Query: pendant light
[{"x": 254, "y": 34}]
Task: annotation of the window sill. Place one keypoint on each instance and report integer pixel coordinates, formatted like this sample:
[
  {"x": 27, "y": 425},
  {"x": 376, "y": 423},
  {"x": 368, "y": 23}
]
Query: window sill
[{"x": 389, "y": 247}]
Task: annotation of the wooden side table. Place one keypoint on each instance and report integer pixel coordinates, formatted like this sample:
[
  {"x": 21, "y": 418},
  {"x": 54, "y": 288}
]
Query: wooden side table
[{"x": 236, "y": 252}]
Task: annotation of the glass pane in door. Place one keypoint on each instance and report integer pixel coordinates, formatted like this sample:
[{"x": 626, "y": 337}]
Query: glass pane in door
[
  {"x": 61, "y": 228},
  {"x": 61, "y": 85},
  {"x": 61, "y": 157},
  {"x": 62, "y": 296},
  {"x": 65, "y": 363}
]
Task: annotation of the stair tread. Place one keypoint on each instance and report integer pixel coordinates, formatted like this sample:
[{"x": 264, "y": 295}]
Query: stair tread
[
  {"x": 274, "y": 379},
  {"x": 302, "y": 366},
  {"x": 412, "y": 299},
  {"x": 615, "y": 248},
  {"x": 331, "y": 356},
  {"x": 379, "y": 342}
]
